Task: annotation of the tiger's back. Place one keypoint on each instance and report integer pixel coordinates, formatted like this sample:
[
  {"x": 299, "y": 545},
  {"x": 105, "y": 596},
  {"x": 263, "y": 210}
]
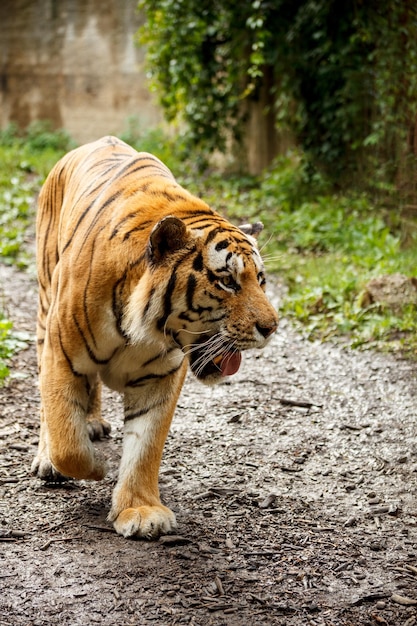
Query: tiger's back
[
  {"x": 79, "y": 229},
  {"x": 137, "y": 279}
]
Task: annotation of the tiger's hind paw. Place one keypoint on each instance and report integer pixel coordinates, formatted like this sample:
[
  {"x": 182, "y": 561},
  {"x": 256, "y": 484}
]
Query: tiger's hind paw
[
  {"x": 98, "y": 428},
  {"x": 145, "y": 522}
]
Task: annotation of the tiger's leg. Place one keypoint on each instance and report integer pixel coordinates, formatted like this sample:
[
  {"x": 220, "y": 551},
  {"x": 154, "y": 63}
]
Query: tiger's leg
[
  {"x": 98, "y": 428},
  {"x": 136, "y": 508},
  {"x": 41, "y": 465},
  {"x": 64, "y": 446}
]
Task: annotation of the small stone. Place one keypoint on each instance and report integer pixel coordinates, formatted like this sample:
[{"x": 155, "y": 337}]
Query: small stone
[{"x": 268, "y": 501}]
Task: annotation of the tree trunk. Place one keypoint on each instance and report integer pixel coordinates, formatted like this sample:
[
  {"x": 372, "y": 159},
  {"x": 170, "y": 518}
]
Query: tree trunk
[{"x": 263, "y": 142}]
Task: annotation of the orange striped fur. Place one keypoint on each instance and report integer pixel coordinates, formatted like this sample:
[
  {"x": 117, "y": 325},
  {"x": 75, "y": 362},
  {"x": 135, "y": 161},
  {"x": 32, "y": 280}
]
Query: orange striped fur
[{"x": 137, "y": 280}]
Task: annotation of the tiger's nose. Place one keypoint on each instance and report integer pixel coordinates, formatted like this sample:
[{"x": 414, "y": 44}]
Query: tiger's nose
[{"x": 266, "y": 331}]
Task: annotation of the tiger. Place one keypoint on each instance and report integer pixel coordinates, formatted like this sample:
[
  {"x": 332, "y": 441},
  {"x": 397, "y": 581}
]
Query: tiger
[{"x": 138, "y": 280}]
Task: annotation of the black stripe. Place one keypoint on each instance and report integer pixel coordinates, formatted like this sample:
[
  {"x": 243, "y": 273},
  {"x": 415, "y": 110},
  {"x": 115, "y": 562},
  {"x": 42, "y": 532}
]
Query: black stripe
[
  {"x": 141, "y": 412},
  {"x": 172, "y": 197},
  {"x": 167, "y": 299},
  {"x": 93, "y": 188},
  {"x": 47, "y": 206},
  {"x": 191, "y": 285},
  {"x": 211, "y": 276},
  {"x": 212, "y": 234},
  {"x": 86, "y": 288},
  {"x": 221, "y": 245},
  {"x": 162, "y": 169},
  {"x": 123, "y": 221},
  {"x": 160, "y": 355},
  {"x": 96, "y": 217},
  {"x": 117, "y": 303},
  {"x": 138, "y": 261},
  {"x": 113, "y": 160},
  {"x": 80, "y": 219},
  {"x": 195, "y": 216},
  {"x": 143, "y": 380},
  {"x": 103, "y": 174},
  {"x": 213, "y": 296},
  {"x": 102, "y": 208},
  {"x": 200, "y": 224},
  {"x": 61, "y": 171},
  {"x": 73, "y": 371},
  {"x": 118, "y": 298},
  {"x": 141, "y": 226},
  {"x": 89, "y": 350},
  {"x": 169, "y": 291},
  {"x": 198, "y": 262},
  {"x": 148, "y": 304}
]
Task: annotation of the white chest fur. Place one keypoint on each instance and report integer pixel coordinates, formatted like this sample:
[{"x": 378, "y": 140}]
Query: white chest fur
[{"x": 138, "y": 365}]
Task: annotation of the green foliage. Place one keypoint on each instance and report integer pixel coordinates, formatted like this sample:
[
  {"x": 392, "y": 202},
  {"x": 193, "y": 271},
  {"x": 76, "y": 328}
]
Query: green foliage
[
  {"x": 344, "y": 76},
  {"x": 198, "y": 62},
  {"x": 10, "y": 343},
  {"x": 40, "y": 136},
  {"x": 325, "y": 247},
  {"x": 5, "y": 351},
  {"x": 16, "y": 213},
  {"x": 25, "y": 160}
]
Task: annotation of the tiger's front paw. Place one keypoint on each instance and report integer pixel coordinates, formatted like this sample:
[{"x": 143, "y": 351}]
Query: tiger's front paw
[
  {"x": 43, "y": 469},
  {"x": 146, "y": 522}
]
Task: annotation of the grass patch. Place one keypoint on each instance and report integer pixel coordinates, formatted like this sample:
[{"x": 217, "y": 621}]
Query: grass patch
[
  {"x": 6, "y": 351},
  {"x": 10, "y": 343},
  {"x": 25, "y": 160}
]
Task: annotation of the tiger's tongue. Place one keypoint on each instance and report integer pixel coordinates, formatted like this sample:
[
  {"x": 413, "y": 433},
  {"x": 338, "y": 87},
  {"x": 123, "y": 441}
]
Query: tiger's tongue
[{"x": 230, "y": 363}]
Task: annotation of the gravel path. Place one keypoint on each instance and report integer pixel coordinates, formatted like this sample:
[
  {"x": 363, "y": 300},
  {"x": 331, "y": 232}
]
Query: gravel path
[{"x": 294, "y": 485}]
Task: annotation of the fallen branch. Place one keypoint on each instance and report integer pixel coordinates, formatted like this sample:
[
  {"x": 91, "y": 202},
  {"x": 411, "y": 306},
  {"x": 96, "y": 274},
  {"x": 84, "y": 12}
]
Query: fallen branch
[
  {"x": 46, "y": 545},
  {"x": 304, "y": 404}
]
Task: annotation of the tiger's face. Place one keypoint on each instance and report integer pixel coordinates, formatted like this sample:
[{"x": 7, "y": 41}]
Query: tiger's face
[{"x": 214, "y": 304}]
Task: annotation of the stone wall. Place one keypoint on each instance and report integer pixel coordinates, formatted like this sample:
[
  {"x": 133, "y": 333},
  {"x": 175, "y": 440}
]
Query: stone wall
[{"x": 75, "y": 63}]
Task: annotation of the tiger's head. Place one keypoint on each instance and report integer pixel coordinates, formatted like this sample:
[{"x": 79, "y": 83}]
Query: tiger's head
[{"x": 206, "y": 290}]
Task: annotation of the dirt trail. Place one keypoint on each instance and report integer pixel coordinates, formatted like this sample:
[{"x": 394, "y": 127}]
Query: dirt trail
[{"x": 294, "y": 486}]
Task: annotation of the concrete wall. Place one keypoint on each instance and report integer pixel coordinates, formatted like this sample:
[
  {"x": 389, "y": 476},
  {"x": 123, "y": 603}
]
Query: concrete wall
[{"x": 73, "y": 62}]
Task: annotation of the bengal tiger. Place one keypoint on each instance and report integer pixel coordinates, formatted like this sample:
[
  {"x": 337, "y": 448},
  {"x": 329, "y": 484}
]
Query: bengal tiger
[{"x": 137, "y": 279}]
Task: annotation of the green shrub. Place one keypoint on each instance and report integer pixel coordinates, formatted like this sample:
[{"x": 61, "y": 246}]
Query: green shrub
[{"x": 25, "y": 159}]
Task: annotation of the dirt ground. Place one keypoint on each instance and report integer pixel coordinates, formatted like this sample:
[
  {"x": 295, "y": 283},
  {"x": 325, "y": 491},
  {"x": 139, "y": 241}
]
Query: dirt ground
[{"x": 294, "y": 485}]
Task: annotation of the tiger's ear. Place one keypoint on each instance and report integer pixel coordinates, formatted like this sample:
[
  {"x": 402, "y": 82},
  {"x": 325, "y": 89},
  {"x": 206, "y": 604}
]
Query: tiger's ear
[
  {"x": 252, "y": 229},
  {"x": 167, "y": 236}
]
